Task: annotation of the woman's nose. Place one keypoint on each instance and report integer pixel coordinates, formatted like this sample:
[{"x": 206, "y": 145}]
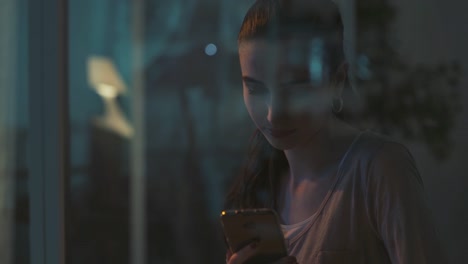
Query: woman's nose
[{"x": 277, "y": 108}]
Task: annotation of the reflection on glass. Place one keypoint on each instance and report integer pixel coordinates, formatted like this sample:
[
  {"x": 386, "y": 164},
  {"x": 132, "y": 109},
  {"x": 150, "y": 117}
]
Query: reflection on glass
[
  {"x": 193, "y": 115},
  {"x": 363, "y": 68},
  {"x": 316, "y": 61}
]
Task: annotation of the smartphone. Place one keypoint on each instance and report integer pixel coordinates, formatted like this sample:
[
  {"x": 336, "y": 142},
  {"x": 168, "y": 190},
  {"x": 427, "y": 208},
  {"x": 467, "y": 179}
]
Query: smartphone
[{"x": 242, "y": 227}]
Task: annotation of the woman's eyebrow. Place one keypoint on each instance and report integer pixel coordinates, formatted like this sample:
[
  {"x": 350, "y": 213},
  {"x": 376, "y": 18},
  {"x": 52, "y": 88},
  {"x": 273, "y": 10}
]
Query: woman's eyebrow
[
  {"x": 290, "y": 82},
  {"x": 251, "y": 80},
  {"x": 297, "y": 81}
]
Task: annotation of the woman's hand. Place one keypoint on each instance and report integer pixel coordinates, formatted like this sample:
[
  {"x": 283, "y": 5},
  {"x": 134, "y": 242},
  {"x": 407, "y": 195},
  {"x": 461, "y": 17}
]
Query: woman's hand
[{"x": 248, "y": 251}]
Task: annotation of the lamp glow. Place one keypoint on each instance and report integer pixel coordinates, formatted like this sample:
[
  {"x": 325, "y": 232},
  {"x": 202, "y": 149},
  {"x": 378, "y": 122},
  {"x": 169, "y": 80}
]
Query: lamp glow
[
  {"x": 105, "y": 80},
  {"x": 107, "y": 91}
]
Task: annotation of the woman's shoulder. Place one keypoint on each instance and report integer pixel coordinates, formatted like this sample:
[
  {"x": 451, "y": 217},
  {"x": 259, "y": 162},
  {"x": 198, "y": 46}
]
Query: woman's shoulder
[
  {"x": 381, "y": 156},
  {"x": 372, "y": 145}
]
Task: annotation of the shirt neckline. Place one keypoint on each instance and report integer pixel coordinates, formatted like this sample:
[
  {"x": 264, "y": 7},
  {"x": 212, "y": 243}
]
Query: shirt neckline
[
  {"x": 338, "y": 176},
  {"x": 301, "y": 223}
]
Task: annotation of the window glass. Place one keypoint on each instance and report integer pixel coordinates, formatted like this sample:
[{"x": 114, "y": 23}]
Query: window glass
[{"x": 159, "y": 129}]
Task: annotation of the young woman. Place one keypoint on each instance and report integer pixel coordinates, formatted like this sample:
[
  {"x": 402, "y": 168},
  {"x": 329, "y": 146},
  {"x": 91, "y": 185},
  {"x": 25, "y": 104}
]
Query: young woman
[{"x": 342, "y": 195}]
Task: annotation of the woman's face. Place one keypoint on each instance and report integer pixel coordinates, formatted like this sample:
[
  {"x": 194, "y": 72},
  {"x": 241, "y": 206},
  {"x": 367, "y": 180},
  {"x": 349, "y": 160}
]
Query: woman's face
[{"x": 286, "y": 89}]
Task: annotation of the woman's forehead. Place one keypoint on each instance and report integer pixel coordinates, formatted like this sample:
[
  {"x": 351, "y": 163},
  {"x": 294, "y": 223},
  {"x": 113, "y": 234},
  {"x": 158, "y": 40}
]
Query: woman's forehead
[
  {"x": 272, "y": 68},
  {"x": 294, "y": 53},
  {"x": 266, "y": 51},
  {"x": 285, "y": 60}
]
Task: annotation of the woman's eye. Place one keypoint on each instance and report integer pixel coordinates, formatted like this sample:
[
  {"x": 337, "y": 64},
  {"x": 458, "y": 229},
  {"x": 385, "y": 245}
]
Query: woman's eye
[{"x": 257, "y": 89}]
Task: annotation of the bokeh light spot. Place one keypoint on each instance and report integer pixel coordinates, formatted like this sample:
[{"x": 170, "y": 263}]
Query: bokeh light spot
[{"x": 211, "y": 49}]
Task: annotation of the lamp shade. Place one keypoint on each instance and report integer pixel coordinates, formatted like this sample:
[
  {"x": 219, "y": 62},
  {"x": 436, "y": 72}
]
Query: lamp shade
[{"x": 103, "y": 76}]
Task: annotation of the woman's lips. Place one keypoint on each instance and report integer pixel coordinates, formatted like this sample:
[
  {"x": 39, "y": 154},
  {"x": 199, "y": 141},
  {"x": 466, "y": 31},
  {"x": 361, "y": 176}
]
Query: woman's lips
[{"x": 279, "y": 133}]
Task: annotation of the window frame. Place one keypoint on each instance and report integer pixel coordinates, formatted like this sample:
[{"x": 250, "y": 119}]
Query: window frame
[{"x": 48, "y": 132}]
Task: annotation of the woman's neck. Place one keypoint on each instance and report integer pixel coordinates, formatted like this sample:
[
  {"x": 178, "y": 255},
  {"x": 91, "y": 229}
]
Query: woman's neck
[{"x": 311, "y": 160}]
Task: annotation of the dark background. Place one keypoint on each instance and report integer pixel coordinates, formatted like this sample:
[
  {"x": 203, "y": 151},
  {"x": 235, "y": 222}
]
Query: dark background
[{"x": 411, "y": 74}]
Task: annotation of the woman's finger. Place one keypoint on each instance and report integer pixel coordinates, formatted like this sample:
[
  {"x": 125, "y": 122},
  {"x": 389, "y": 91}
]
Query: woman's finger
[
  {"x": 244, "y": 254},
  {"x": 228, "y": 255}
]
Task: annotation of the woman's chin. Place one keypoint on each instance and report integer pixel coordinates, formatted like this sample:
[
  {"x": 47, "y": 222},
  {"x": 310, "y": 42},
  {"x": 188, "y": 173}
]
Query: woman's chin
[{"x": 281, "y": 143}]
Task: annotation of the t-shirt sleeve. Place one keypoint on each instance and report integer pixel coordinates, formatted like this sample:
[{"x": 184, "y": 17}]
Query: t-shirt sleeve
[{"x": 397, "y": 208}]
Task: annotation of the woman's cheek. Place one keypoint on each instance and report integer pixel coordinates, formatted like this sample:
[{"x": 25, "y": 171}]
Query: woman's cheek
[
  {"x": 311, "y": 105},
  {"x": 256, "y": 107}
]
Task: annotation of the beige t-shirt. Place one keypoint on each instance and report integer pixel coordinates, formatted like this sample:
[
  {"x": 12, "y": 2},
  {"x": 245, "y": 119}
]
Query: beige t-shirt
[
  {"x": 375, "y": 212},
  {"x": 291, "y": 231}
]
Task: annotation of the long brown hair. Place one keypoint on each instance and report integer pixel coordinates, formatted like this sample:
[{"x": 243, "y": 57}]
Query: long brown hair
[{"x": 258, "y": 183}]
